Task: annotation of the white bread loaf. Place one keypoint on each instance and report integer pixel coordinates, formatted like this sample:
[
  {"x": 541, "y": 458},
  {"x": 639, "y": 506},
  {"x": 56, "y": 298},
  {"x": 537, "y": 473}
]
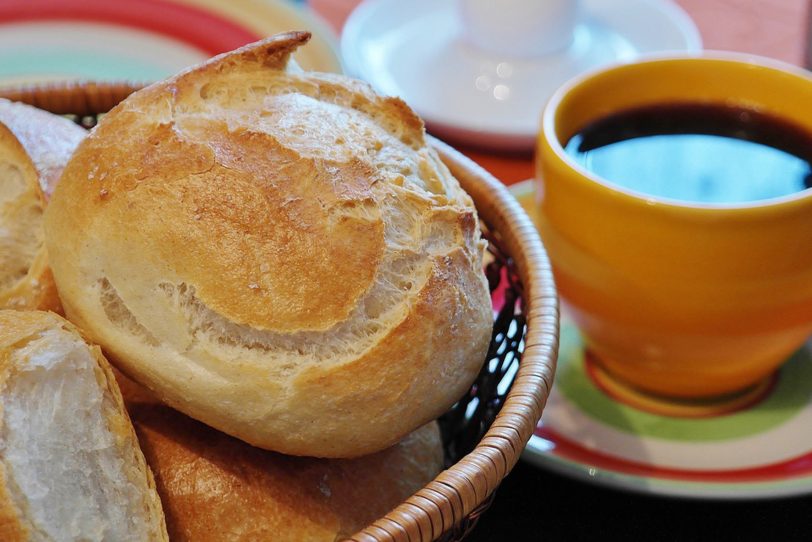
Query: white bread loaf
[
  {"x": 277, "y": 254},
  {"x": 70, "y": 465},
  {"x": 215, "y": 488},
  {"x": 34, "y": 147}
]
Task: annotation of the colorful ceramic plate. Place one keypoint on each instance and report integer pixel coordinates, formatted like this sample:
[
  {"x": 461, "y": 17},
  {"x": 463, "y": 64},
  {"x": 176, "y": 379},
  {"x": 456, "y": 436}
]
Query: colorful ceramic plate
[
  {"x": 143, "y": 39},
  {"x": 763, "y": 449}
]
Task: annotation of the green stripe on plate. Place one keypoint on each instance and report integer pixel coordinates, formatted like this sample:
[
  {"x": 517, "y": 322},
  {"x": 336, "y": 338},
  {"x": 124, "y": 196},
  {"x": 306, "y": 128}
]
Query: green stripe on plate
[
  {"x": 789, "y": 396},
  {"x": 95, "y": 65}
]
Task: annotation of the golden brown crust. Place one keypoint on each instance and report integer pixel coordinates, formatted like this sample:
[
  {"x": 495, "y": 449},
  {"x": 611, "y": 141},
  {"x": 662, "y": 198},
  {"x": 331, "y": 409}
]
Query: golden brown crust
[
  {"x": 48, "y": 139},
  {"x": 18, "y": 328},
  {"x": 39, "y": 145},
  {"x": 12, "y": 529},
  {"x": 216, "y": 488},
  {"x": 267, "y": 234},
  {"x": 386, "y": 399},
  {"x": 21, "y": 208},
  {"x": 36, "y": 291}
]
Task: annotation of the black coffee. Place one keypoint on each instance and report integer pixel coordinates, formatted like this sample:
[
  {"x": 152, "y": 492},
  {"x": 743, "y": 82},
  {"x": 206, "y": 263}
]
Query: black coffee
[{"x": 708, "y": 153}]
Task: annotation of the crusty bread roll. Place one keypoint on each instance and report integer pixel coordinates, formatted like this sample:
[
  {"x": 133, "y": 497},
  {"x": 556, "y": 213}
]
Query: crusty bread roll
[
  {"x": 215, "y": 488},
  {"x": 48, "y": 139},
  {"x": 70, "y": 465},
  {"x": 34, "y": 147},
  {"x": 277, "y": 254}
]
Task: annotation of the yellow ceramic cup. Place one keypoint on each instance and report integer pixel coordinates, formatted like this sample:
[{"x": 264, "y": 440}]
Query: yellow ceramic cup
[{"x": 678, "y": 299}]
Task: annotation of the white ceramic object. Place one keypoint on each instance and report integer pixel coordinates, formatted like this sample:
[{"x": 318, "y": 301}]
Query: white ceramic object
[
  {"x": 520, "y": 28},
  {"x": 489, "y": 90}
]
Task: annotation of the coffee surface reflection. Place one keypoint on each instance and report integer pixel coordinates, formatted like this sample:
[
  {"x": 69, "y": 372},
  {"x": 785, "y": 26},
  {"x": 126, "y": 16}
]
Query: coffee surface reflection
[{"x": 697, "y": 152}]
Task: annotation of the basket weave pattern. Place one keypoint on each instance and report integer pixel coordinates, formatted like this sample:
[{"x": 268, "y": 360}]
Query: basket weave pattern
[{"x": 486, "y": 431}]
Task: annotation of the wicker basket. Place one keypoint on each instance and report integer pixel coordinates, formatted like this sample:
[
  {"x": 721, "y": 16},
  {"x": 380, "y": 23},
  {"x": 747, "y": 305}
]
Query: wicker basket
[{"x": 486, "y": 431}]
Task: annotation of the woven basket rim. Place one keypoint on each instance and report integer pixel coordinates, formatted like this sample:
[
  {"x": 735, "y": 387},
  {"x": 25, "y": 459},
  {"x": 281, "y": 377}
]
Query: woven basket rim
[{"x": 458, "y": 491}]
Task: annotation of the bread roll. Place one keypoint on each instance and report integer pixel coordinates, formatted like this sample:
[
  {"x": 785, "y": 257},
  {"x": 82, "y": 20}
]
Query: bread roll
[
  {"x": 34, "y": 147},
  {"x": 48, "y": 139},
  {"x": 215, "y": 488},
  {"x": 70, "y": 466},
  {"x": 277, "y": 254}
]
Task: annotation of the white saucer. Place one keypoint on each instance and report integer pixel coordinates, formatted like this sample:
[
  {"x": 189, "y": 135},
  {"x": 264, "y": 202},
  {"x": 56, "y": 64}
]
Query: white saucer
[
  {"x": 760, "y": 450},
  {"x": 415, "y": 50}
]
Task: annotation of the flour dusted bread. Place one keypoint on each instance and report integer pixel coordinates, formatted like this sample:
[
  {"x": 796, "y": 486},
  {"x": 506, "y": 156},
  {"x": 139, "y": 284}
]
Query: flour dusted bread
[
  {"x": 215, "y": 488},
  {"x": 275, "y": 253},
  {"x": 70, "y": 466},
  {"x": 34, "y": 147},
  {"x": 48, "y": 139}
]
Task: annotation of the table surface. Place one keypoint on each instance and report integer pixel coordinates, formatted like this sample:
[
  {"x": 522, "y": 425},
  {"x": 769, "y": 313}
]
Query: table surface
[{"x": 534, "y": 504}]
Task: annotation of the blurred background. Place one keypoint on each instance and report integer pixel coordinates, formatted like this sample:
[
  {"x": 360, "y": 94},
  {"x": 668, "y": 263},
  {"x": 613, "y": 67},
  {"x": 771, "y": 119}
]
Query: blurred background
[{"x": 144, "y": 40}]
